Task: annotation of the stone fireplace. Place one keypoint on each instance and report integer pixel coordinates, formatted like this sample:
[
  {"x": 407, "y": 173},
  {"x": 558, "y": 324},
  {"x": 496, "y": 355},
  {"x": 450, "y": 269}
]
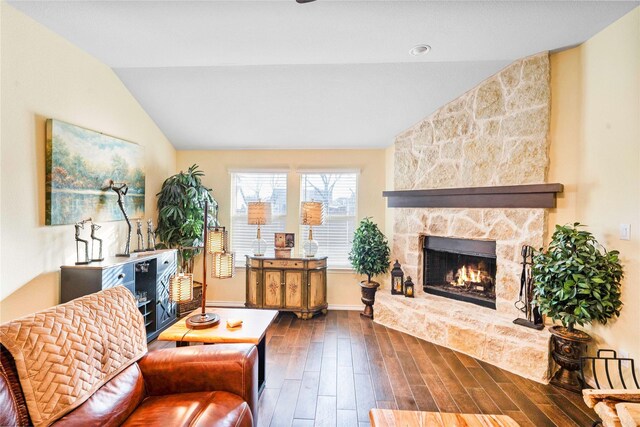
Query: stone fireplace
[
  {"x": 460, "y": 269},
  {"x": 492, "y": 136}
]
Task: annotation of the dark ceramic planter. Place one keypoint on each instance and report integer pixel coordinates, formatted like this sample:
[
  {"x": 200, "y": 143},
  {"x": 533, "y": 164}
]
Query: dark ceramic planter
[
  {"x": 368, "y": 290},
  {"x": 566, "y": 349}
]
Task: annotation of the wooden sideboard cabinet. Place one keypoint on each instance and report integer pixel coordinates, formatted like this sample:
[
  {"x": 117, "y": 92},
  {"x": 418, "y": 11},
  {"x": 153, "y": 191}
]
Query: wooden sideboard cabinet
[
  {"x": 141, "y": 272},
  {"x": 287, "y": 284}
]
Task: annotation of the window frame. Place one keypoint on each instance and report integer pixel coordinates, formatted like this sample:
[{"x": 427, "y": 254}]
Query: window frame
[
  {"x": 303, "y": 230},
  {"x": 240, "y": 258}
]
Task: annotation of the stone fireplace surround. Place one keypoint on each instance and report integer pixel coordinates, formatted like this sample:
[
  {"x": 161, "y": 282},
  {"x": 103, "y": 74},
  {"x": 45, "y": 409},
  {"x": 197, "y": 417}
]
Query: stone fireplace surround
[{"x": 493, "y": 135}]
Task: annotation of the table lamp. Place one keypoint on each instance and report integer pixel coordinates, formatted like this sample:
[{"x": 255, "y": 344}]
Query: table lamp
[
  {"x": 311, "y": 213},
  {"x": 259, "y": 213}
]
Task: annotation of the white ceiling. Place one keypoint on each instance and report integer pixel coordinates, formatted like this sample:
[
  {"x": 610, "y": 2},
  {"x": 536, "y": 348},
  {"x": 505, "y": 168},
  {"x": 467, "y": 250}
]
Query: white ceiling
[{"x": 328, "y": 74}]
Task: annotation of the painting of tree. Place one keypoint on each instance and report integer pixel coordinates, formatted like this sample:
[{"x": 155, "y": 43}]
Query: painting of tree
[{"x": 79, "y": 164}]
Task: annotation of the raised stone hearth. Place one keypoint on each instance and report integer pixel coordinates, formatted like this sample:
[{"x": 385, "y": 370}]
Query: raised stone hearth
[
  {"x": 493, "y": 135},
  {"x": 479, "y": 332}
]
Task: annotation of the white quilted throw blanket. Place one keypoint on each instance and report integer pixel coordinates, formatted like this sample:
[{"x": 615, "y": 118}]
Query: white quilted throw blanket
[{"x": 64, "y": 354}]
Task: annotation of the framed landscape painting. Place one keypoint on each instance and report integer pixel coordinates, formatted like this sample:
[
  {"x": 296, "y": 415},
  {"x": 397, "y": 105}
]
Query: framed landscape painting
[{"x": 79, "y": 164}]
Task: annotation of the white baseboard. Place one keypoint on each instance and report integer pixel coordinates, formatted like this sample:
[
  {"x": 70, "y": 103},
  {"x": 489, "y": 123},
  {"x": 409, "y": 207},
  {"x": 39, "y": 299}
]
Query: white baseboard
[
  {"x": 225, "y": 303},
  {"x": 350, "y": 307}
]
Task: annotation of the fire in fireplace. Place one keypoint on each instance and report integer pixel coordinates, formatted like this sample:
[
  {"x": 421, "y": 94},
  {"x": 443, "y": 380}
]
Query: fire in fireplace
[{"x": 462, "y": 269}]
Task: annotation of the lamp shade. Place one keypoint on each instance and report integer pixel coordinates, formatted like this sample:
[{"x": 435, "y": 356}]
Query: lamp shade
[
  {"x": 259, "y": 213},
  {"x": 217, "y": 240},
  {"x": 224, "y": 265},
  {"x": 312, "y": 213},
  {"x": 181, "y": 287}
]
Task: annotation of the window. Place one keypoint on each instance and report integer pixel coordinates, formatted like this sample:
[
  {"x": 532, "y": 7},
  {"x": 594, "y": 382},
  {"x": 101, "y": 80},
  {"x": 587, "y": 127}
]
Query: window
[
  {"x": 252, "y": 187},
  {"x": 339, "y": 193}
]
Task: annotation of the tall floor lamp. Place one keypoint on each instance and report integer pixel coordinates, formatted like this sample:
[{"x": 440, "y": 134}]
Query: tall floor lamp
[{"x": 181, "y": 285}]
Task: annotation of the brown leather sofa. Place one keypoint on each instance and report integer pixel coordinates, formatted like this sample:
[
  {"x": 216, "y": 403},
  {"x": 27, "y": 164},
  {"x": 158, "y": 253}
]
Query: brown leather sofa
[{"x": 188, "y": 386}]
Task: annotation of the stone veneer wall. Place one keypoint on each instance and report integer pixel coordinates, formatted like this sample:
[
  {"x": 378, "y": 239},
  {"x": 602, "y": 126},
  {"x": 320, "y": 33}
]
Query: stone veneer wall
[{"x": 495, "y": 134}]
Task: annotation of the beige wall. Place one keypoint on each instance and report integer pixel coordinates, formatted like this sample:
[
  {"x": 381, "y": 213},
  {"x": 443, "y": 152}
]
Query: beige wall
[
  {"x": 44, "y": 76},
  {"x": 342, "y": 288},
  {"x": 595, "y": 153}
]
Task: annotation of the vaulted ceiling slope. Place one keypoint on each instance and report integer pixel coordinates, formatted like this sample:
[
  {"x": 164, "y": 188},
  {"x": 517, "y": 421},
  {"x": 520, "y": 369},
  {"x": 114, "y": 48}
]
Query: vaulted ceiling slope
[{"x": 328, "y": 74}]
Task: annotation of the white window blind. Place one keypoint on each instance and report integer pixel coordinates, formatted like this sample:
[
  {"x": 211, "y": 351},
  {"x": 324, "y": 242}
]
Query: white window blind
[
  {"x": 339, "y": 193},
  {"x": 252, "y": 187}
]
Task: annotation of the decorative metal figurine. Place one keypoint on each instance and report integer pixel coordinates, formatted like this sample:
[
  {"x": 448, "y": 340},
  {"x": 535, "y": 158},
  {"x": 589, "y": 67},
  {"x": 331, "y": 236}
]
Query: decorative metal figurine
[
  {"x": 151, "y": 236},
  {"x": 79, "y": 240},
  {"x": 140, "y": 237},
  {"x": 95, "y": 227},
  {"x": 121, "y": 189}
]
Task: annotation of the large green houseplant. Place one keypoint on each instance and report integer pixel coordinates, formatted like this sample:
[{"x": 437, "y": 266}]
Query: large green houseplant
[
  {"x": 369, "y": 255},
  {"x": 576, "y": 281},
  {"x": 181, "y": 214}
]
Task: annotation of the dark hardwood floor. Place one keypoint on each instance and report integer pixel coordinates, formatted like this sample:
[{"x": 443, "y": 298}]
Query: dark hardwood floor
[{"x": 329, "y": 371}]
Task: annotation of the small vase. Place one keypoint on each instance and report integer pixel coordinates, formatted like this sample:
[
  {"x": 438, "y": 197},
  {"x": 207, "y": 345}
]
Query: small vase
[
  {"x": 368, "y": 290},
  {"x": 566, "y": 349}
]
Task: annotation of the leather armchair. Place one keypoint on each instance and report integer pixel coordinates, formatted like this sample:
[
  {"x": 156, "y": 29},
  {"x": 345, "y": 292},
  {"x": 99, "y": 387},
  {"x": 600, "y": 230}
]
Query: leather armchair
[{"x": 197, "y": 386}]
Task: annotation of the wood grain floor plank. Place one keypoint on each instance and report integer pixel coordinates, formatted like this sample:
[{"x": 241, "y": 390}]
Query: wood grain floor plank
[
  {"x": 365, "y": 399},
  {"x": 346, "y": 392},
  {"x": 386, "y": 404},
  {"x": 286, "y": 404},
  {"x": 302, "y": 423},
  {"x": 297, "y": 362},
  {"x": 347, "y": 418},
  {"x": 573, "y": 411},
  {"x": 359, "y": 357},
  {"x": 440, "y": 394},
  {"x": 328, "y": 377},
  {"x": 484, "y": 401},
  {"x": 409, "y": 368},
  {"x": 326, "y": 412},
  {"x": 467, "y": 361},
  {"x": 529, "y": 408},
  {"x": 423, "y": 398},
  {"x": 308, "y": 396},
  {"x": 314, "y": 357},
  {"x": 493, "y": 390},
  {"x": 381, "y": 384},
  {"x": 267, "y": 405},
  {"x": 330, "y": 347},
  {"x": 344, "y": 352},
  {"x": 556, "y": 415}
]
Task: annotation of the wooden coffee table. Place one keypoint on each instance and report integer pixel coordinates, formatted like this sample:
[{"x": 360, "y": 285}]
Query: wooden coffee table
[
  {"x": 394, "y": 418},
  {"x": 253, "y": 331}
]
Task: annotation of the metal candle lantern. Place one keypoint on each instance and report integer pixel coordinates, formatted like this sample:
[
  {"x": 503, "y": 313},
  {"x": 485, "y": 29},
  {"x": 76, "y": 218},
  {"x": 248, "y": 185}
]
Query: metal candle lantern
[
  {"x": 409, "y": 291},
  {"x": 397, "y": 279}
]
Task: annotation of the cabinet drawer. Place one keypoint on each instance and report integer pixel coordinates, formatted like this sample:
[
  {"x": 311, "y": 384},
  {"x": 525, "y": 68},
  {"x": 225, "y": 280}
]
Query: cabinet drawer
[
  {"x": 166, "y": 260},
  {"x": 118, "y": 275},
  {"x": 283, "y": 263},
  {"x": 318, "y": 264}
]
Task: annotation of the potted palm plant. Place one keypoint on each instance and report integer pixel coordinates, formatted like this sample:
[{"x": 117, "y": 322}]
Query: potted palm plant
[
  {"x": 181, "y": 214},
  {"x": 369, "y": 255},
  {"x": 576, "y": 281}
]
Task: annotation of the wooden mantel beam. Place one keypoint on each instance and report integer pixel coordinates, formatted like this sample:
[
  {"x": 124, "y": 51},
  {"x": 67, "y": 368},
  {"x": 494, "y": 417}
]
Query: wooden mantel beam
[{"x": 508, "y": 196}]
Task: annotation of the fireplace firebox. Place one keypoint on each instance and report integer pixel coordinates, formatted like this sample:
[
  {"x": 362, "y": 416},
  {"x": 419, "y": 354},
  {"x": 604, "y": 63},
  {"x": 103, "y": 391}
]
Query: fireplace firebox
[{"x": 461, "y": 269}]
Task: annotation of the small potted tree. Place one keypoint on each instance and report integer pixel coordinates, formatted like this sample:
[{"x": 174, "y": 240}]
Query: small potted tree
[
  {"x": 576, "y": 281},
  {"x": 181, "y": 214},
  {"x": 369, "y": 255}
]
